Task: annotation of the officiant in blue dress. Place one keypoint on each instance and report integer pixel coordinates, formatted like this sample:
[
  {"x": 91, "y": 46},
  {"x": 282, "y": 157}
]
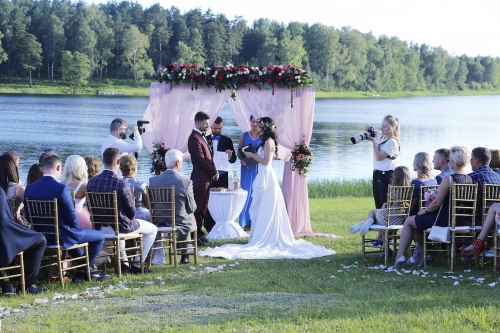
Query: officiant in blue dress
[{"x": 248, "y": 175}]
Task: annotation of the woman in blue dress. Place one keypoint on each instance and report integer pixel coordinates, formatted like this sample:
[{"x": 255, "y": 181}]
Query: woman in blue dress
[{"x": 248, "y": 175}]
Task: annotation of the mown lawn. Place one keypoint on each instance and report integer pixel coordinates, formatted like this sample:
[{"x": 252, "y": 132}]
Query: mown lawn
[{"x": 329, "y": 294}]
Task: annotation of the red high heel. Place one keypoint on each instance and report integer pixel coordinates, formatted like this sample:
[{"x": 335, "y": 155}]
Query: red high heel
[{"x": 477, "y": 246}]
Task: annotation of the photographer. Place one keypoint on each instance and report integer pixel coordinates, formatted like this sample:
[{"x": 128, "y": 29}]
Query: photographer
[{"x": 385, "y": 152}]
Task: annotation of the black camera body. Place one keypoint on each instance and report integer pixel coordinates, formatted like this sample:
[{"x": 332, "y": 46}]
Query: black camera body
[
  {"x": 364, "y": 136},
  {"x": 140, "y": 127}
]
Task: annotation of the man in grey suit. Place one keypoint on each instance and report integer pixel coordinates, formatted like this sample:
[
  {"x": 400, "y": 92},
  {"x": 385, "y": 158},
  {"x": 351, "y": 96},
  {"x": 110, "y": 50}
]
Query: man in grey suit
[{"x": 185, "y": 205}]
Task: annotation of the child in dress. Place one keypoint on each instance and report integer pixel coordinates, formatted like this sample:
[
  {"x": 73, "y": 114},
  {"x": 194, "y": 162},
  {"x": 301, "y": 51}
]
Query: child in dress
[{"x": 378, "y": 216}]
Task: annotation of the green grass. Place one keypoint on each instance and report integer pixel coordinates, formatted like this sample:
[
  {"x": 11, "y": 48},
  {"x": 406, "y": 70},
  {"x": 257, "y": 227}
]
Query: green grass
[
  {"x": 277, "y": 295},
  {"x": 127, "y": 87},
  {"x": 399, "y": 94},
  {"x": 328, "y": 188}
]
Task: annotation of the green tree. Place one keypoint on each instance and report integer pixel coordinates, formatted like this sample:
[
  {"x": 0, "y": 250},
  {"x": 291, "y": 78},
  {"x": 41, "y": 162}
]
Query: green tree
[
  {"x": 100, "y": 23},
  {"x": 30, "y": 56},
  {"x": 291, "y": 50},
  {"x": 75, "y": 69},
  {"x": 135, "y": 56},
  {"x": 322, "y": 46},
  {"x": 159, "y": 38},
  {"x": 195, "y": 44},
  {"x": 184, "y": 54},
  {"x": 3, "y": 54}
]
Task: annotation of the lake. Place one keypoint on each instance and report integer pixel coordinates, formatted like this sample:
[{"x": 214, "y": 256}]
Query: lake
[{"x": 79, "y": 125}]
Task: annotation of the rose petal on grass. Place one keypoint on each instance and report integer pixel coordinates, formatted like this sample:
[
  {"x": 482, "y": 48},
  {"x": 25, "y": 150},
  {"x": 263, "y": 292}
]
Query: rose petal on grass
[
  {"x": 492, "y": 284},
  {"x": 456, "y": 283}
]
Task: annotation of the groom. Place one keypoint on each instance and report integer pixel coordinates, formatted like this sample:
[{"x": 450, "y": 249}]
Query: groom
[{"x": 203, "y": 170}]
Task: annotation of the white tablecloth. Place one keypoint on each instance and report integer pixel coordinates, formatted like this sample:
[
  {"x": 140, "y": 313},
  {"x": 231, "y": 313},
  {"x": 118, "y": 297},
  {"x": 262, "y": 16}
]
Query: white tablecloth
[{"x": 225, "y": 208}]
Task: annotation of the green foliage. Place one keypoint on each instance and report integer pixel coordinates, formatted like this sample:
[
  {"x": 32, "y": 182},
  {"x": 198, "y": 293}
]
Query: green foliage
[
  {"x": 75, "y": 68},
  {"x": 339, "y": 188},
  {"x": 342, "y": 59}
]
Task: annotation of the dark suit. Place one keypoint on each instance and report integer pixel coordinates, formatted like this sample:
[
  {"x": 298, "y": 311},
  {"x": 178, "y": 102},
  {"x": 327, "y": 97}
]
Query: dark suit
[
  {"x": 15, "y": 238},
  {"x": 202, "y": 174},
  {"x": 70, "y": 233},
  {"x": 185, "y": 204},
  {"x": 224, "y": 143}
]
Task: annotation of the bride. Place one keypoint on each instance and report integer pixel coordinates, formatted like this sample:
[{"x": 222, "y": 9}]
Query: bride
[{"x": 271, "y": 235}]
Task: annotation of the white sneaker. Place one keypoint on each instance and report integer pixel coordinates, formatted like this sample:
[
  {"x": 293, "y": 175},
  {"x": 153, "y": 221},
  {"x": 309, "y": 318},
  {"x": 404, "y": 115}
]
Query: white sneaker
[
  {"x": 366, "y": 227},
  {"x": 355, "y": 228}
]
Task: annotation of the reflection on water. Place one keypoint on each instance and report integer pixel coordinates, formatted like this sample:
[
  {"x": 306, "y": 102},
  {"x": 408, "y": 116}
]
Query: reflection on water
[{"x": 79, "y": 125}]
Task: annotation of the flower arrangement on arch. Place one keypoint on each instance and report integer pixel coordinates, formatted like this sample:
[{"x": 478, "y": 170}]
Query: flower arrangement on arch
[
  {"x": 301, "y": 159},
  {"x": 158, "y": 164},
  {"x": 233, "y": 77}
]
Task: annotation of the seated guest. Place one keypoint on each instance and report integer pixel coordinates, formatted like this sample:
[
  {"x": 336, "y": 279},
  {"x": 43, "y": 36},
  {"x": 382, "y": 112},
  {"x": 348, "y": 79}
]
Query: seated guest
[
  {"x": 9, "y": 182},
  {"x": 495, "y": 160},
  {"x": 425, "y": 218},
  {"x": 70, "y": 233},
  {"x": 185, "y": 205},
  {"x": 14, "y": 239},
  {"x": 45, "y": 154},
  {"x": 108, "y": 181},
  {"x": 93, "y": 166},
  {"x": 128, "y": 167},
  {"x": 481, "y": 174},
  {"x": 35, "y": 173},
  {"x": 14, "y": 156},
  {"x": 489, "y": 223},
  {"x": 423, "y": 166},
  {"x": 440, "y": 161},
  {"x": 75, "y": 176}
]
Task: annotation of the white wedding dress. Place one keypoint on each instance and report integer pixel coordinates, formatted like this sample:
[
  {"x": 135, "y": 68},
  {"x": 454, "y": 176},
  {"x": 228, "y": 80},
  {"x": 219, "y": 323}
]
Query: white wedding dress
[{"x": 271, "y": 236}]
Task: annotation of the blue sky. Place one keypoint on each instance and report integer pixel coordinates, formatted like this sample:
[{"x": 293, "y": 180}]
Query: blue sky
[{"x": 462, "y": 27}]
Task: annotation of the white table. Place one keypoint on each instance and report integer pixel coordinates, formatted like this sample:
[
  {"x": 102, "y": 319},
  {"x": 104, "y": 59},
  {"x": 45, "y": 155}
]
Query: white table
[{"x": 225, "y": 208}]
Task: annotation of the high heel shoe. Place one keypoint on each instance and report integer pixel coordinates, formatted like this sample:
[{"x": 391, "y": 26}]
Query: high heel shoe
[{"x": 477, "y": 246}]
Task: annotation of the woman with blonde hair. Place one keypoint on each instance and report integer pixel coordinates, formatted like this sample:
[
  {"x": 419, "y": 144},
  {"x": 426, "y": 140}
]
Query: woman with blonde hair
[
  {"x": 438, "y": 210},
  {"x": 76, "y": 177},
  {"x": 386, "y": 149},
  {"x": 128, "y": 167},
  {"x": 422, "y": 164}
]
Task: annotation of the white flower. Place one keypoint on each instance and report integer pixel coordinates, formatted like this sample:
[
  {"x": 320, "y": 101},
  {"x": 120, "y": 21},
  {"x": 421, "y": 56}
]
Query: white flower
[
  {"x": 184, "y": 70},
  {"x": 280, "y": 74},
  {"x": 298, "y": 80},
  {"x": 260, "y": 73},
  {"x": 180, "y": 74},
  {"x": 213, "y": 76},
  {"x": 228, "y": 76},
  {"x": 165, "y": 70},
  {"x": 297, "y": 77},
  {"x": 183, "y": 77}
]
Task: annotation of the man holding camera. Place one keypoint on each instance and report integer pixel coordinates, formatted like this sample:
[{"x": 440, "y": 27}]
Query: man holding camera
[{"x": 117, "y": 136}]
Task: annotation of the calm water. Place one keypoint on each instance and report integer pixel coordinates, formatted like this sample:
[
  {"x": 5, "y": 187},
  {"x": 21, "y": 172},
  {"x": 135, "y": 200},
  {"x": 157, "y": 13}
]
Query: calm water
[{"x": 79, "y": 125}]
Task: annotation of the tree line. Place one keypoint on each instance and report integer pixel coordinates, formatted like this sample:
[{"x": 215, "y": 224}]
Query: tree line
[{"x": 75, "y": 42}]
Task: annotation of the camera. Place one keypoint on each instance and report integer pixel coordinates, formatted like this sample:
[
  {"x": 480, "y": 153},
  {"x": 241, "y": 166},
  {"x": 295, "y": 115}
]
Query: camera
[
  {"x": 364, "y": 136},
  {"x": 140, "y": 127}
]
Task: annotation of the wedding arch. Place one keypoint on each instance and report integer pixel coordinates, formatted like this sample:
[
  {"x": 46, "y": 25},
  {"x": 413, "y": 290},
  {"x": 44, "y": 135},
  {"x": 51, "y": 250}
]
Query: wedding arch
[{"x": 172, "y": 108}]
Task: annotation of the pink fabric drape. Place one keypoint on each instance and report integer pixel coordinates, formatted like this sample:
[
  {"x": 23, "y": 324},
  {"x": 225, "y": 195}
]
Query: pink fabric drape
[
  {"x": 171, "y": 112},
  {"x": 294, "y": 126}
]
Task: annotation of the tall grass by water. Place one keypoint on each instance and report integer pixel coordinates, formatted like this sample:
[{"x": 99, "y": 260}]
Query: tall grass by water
[{"x": 328, "y": 188}]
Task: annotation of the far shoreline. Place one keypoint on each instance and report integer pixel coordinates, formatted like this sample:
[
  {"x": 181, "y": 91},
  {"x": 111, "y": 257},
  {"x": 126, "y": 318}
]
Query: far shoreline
[{"x": 129, "y": 91}]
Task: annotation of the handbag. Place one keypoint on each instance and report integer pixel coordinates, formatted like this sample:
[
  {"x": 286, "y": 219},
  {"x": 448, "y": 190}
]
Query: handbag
[{"x": 441, "y": 234}]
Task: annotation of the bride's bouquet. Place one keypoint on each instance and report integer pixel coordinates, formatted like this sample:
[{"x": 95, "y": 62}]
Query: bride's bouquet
[{"x": 301, "y": 159}]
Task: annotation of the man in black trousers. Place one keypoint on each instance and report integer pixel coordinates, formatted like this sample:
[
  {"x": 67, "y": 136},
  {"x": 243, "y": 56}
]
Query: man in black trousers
[
  {"x": 222, "y": 143},
  {"x": 15, "y": 238}
]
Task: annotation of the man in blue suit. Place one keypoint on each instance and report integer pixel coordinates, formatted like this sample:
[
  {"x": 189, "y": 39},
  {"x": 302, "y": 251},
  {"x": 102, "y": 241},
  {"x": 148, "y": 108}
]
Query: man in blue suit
[{"x": 70, "y": 233}]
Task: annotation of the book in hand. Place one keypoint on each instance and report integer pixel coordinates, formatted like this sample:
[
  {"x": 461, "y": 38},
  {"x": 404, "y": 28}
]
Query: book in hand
[{"x": 250, "y": 162}]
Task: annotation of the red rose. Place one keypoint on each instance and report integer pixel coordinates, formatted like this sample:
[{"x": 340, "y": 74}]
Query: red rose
[
  {"x": 202, "y": 69},
  {"x": 279, "y": 78},
  {"x": 170, "y": 66},
  {"x": 302, "y": 149},
  {"x": 294, "y": 153},
  {"x": 194, "y": 66},
  {"x": 241, "y": 80},
  {"x": 162, "y": 152},
  {"x": 269, "y": 80},
  {"x": 291, "y": 68},
  {"x": 220, "y": 76},
  {"x": 292, "y": 77},
  {"x": 269, "y": 68},
  {"x": 186, "y": 66},
  {"x": 201, "y": 78}
]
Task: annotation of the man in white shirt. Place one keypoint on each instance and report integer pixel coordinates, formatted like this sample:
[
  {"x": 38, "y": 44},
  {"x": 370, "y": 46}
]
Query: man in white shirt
[{"x": 117, "y": 135}]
